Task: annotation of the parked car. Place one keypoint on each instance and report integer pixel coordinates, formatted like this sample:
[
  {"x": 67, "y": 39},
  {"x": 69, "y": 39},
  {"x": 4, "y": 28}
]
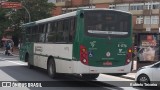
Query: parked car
[{"x": 149, "y": 73}]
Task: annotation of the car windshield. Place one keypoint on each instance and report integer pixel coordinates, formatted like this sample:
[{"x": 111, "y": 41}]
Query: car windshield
[{"x": 156, "y": 65}]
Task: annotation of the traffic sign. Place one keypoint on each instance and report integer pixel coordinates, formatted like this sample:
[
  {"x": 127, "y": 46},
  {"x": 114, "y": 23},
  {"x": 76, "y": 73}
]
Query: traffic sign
[{"x": 15, "y": 5}]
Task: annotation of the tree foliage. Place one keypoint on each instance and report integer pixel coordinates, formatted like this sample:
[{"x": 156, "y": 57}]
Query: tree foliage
[
  {"x": 4, "y": 22},
  {"x": 38, "y": 9}
]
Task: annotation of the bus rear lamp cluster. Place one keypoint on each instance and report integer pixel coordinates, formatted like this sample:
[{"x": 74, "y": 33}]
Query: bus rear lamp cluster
[
  {"x": 128, "y": 56},
  {"x": 83, "y": 55}
]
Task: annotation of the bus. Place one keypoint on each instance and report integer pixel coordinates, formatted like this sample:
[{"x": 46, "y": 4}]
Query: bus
[{"x": 86, "y": 42}]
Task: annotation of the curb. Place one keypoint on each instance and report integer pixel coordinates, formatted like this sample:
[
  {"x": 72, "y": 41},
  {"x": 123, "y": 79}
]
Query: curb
[
  {"x": 131, "y": 78},
  {"x": 128, "y": 76},
  {"x": 15, "y": 55}
]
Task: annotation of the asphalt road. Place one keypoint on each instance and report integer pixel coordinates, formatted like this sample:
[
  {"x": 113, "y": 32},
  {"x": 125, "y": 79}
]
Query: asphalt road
[{"x": 11, "y": 69}]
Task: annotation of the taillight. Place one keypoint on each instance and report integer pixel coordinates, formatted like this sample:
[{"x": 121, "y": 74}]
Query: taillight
[
  {"x": 129, "y": 56},
  {"x": 83, "y": 55}
]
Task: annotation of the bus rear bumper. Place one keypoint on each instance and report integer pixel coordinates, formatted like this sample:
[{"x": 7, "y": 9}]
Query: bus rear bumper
[{"x": 80, "y": 68}]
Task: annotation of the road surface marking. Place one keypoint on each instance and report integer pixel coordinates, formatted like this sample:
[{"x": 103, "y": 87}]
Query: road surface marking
[
  {"x": 5, "y": 59},
  {"x": 15, "y": 62}
]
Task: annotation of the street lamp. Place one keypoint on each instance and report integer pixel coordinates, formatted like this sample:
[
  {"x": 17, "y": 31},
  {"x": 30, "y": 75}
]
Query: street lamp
[{"x": 29, "y": 15}]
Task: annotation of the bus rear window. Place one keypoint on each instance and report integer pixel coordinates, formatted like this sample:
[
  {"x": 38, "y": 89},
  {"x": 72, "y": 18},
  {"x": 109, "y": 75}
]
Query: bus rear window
[{"x": 104, "y": 23}]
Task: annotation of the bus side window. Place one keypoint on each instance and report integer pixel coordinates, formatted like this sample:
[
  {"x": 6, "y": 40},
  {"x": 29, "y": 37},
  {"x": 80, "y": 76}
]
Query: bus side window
[
  {"x": 41, "y": 34},
  {"x": 66, "y": 27},
  {"x": 27, "y": 33},
  {"x": 46, "y": 27},
  {"x": 59, "y": 34},
  {"x": 29, "y": 36},
  {"x": 72, "y": 29},
  {"x": 51, "y": 29},
  {"x": 34, "y": 34}
]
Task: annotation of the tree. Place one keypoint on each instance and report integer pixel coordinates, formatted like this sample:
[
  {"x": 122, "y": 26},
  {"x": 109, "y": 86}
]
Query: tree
[
  {"x": 4, "y": 22},
  {"x": 38, "y": 9}
]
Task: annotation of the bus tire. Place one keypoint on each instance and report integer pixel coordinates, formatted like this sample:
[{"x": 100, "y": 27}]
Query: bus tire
[
  {"x": 90, "y": 76},
  {"x": 30, "y": 66},
  {"x": 27, "y": 60},
  {"x": 51, "y": 68}
]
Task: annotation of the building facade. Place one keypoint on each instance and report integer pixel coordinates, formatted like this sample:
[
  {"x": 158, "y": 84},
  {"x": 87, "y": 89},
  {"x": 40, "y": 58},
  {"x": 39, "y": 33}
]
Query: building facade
[
  {"x": 146, "y": 21},
  {"x": 146, "y": 13}
]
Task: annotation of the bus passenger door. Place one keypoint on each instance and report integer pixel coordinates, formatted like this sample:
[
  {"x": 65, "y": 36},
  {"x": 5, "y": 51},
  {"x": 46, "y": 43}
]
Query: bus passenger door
[{"x": 30, "y": 50}]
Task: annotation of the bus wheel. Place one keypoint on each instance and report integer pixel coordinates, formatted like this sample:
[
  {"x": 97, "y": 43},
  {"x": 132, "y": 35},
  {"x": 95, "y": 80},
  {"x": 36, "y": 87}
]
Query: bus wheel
[
  {"x": 30, "y": 66},
  {"x": 90, "y": 76},
  {"x": 51, "y": 68},
  {"x": 27, "y": 60}
]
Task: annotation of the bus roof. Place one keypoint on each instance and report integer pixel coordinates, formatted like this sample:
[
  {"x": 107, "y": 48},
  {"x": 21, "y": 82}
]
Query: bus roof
[
  {"x": 51, "y": 19},
  {"x": 108, "y": 10},
  {"x": 64, "y": 16}
]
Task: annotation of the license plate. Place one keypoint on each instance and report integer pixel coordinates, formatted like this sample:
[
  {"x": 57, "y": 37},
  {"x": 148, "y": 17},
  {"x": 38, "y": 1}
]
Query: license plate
[{"x": 108, "y": 63}]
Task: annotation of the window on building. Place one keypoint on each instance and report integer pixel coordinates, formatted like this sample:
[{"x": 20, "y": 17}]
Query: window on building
[
  {"x": 156, "y": 6},
  {"x": 146, "y": 7},
  {"x": 61, "y": 0},
  {"x": 121, "y": 7},
  {"x": 136, "y": 7},
  {"x": 139, "y": 20},
  {"x": 147, "y": 20},
  {"x": 155, "y": 19},
  {"x": 152, "y": 5},
  {"x": 140, "y": 7}
]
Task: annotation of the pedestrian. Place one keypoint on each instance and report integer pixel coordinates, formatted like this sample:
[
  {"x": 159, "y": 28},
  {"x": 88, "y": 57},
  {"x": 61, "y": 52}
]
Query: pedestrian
[
  {"x": 7, "y": 51},
  {"x": 11, "y": 47}
]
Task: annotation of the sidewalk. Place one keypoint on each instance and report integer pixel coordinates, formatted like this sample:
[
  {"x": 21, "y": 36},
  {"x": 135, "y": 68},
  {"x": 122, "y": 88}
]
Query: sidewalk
[
  {"x": 14, "y": 53},
  {"x": 130, "y": 75}
]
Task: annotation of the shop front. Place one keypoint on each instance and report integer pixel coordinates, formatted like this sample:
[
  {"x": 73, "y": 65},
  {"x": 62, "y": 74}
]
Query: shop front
[{"x": 147, "y": 49}]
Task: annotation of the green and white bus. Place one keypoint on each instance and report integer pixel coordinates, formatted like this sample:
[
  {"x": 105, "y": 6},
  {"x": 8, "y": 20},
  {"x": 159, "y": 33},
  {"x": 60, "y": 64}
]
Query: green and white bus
[{"x": 86, "y": 42}]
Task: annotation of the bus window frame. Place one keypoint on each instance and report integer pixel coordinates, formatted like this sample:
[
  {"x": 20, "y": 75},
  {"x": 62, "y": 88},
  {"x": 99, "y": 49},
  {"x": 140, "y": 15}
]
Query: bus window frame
[
  {"x": 129, "y": 20},
  {"x": 69, "y": 29},
  {"x": 47, "y": 30}
]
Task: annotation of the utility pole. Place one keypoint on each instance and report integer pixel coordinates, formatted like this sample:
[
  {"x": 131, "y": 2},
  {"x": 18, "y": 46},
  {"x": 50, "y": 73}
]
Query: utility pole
[
  {"x": 29, "y": 16},
  {"x": 151, "y": 5}
]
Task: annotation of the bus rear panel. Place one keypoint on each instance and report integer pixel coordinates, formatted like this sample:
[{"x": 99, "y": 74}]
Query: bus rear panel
[{"x": 105, "y": 45}]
